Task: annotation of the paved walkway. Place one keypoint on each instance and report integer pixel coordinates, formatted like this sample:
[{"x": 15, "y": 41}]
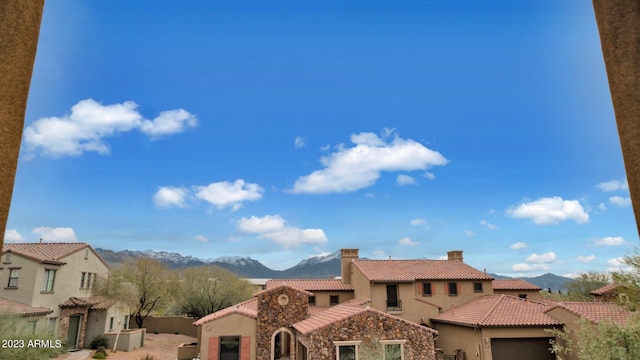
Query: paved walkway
[{"x": 79, "y": 355}]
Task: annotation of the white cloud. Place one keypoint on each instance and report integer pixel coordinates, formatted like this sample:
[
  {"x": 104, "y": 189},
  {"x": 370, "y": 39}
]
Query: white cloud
[
  {"x": 519, "y": 245},
  {"x": 418, "y": 222},
  {"x": 602, "y": 207},
  {"x": 299, "y": 142},
  {"x": 325, "y": 148},
  {"x": 358, "y": 167},
  {"x": 613, "y": 185},
  {"x": 619, "y": 265},
  {"x": 529, "y": 268},
  {"x": 429, "y": 175},
  {"x": 489, "y": 225},
  {"x": 407, "y": 241},
  {"x": 380, "y": 254},
  {"x": 63, "y": 234},
  {"x": 274, "y": 228},
  {"x": 403, "y": 179},
  {"x": 620, "y": 201},
  {"x": 13, "y": 236},
  {"x": 90, "y": 123},
  {"x": 586, "y": 259},
  {"x": 573, "y": 274},
  {"x": 168, "y": 196},
  {"x": 610, "y": 241},
  {"x": 169, "y": 123},
  {"x": 225, "y": 194},
  {"x": 552, "y": 210},
  {"x": 469, "y": 233},
  {"x": 201, "y": 238},
  {"x": 542, "y": 258}
]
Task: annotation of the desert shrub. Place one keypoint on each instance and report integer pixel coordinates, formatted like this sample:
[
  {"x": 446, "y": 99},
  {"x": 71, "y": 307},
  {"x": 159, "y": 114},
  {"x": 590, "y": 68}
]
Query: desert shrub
[
  {"x": 99, "y": 355},
  {"x": 147, "y": 357},
  {"x": 98, "y": 341}
]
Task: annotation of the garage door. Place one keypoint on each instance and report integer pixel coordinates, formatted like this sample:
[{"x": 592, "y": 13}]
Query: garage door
[{"x": 521, "y": 349}]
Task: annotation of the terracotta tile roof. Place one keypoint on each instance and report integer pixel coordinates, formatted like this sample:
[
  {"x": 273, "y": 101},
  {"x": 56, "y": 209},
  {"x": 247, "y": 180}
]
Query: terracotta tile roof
[
  {"x": 285, "y": 284},
  {"x": 499, "y": 311},
  {"x": 47, "y": 252},
  {"x": 311, "y": 284},
  {"x": 247, "y": 308},
  {"x": 597, "y": 311},
  {"x": 605, "y": 290},
  {"x": 513, "y": 284},
  {"x": 13, "y": 307},
  {"x": 342, "y": 312},
  {"x": 412, "y": 270},
  {"x": 93, "y": 302}
]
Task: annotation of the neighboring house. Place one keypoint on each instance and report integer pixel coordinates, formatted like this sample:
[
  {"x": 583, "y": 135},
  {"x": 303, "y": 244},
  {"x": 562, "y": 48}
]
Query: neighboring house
[
  {"x": 28, "y": 319},
  {"x": 517, "y": 287},
  {"x": 416, "y": 303},
  {"x": 59, "y": 277},
  {"x": 607, "y": 293},
  {"x": 279, "y": 323},
  {"x": 496, "y": 327}
]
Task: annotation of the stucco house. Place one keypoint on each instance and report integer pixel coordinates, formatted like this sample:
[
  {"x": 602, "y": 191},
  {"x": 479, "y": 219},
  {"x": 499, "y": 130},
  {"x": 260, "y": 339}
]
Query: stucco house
[
  {"x": 60, "y": 277},
  {"x": 279, "y": 323},
  {"x": 406, "y": 305}
]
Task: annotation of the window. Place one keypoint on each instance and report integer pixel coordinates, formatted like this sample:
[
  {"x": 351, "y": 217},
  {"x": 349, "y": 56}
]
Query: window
[
  {"x": 49, "y": 277},
  {"x": 393, "y": 349},
  {"x": 334, "y": 299},
  {"x": 477, "y": 286},
  {"x": 522, "y": 296},
  {"x": 111, "y": 321},
  {"x": 453, "y": 289},
  {"x": 312, "y": 300},
  {"x": 125, "y": 323},
  {"x": 30, "y": 327},
  {"x": 13, "y": 278},
  {"x": 426, "y": 289},
  {"x": 84, "y": 274},
  {"x": 347, "y": 350},
  {"x": 229, "y": 347},
  {"x": 88, "y": 280},
  {"x": 86, "y": 254},
  {"x": 7, "y": 259},
  {"x": 51, "y": 325}
]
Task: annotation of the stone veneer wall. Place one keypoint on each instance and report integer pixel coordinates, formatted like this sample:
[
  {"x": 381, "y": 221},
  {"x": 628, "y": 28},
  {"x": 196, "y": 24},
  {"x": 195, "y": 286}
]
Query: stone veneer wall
[
  {"x": 273, "y": 316},
  {"x": 370, "y": 326},
  {"x": 65, "y": 314}
]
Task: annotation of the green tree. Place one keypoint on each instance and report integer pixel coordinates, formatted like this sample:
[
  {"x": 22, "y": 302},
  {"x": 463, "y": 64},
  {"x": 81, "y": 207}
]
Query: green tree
[
  {"x": 145, "y": 284},
  {"x": 579, "y": 289},
  {"x": 206, "y": 289}
]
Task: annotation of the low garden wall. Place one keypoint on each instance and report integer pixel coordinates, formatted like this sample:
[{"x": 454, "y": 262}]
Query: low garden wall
[
  {"x": 129, "y": 340},
  {"x": 169, "y": 325}
]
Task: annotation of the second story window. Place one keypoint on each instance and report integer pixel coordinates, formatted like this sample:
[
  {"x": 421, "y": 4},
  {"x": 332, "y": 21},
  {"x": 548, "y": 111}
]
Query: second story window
[
  {"x": 88, "y": 280},
  {"x": 312, "y": 300},
  {"x": 13, "y": 278},
  {"x": 49, "y": 278},
  {"x": 426, "y": 289},
  {"x": 477, "y": 286},
  {"x": 82, "y": 280},
  {"x": 334, "y": 300},
  {"x": 453, "y": 288}
]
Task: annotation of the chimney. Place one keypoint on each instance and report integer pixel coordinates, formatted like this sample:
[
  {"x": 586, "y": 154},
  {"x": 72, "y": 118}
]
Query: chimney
[
  {"x": 40, "y": 240},
  {"x": 346, "y": 256},
  {"x": 455, "y": 255}
]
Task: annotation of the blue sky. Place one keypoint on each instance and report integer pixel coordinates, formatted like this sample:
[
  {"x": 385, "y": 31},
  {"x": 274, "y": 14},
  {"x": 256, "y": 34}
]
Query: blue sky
[{"x": 285, "y": 129}]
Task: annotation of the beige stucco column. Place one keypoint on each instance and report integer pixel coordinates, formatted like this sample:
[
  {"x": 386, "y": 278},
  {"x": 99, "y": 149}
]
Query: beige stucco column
[
  {"x": 19, "y": 29},
  {"x": 619, "y": 26}
]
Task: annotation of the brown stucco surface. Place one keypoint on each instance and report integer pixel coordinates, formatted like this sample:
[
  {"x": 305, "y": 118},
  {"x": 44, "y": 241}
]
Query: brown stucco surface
[
  {"x": 19, "y": 29},
  {"x": 619, "y": 27}
]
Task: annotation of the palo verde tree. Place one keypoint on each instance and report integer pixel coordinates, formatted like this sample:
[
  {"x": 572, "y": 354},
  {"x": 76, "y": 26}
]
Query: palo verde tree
[
  {"x": 206, "y": 289},
  {"x": 579, "y": 289},
  {"x": 149, "y": 286}
]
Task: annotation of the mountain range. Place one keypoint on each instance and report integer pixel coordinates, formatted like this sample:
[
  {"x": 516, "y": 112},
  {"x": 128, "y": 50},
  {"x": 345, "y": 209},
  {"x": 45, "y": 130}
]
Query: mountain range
[{"x": 317, "y": 267}]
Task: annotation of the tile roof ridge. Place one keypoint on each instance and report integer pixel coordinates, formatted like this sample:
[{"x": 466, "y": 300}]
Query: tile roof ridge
[{"x": 493, "y": 307}]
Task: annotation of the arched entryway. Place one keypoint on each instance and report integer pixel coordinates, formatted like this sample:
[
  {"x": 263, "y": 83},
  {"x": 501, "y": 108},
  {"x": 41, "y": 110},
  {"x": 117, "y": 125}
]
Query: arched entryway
[{"x": 282, "y": 345}]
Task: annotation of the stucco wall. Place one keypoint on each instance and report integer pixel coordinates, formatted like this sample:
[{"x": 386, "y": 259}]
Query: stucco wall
[
  {"x": 323, "y": 297},
  {"x": 27, "y": 279},
  {"x": 230, "y": 325},
  {"x": 169, "y": 325},
  {"x": 531, "y": 294}
]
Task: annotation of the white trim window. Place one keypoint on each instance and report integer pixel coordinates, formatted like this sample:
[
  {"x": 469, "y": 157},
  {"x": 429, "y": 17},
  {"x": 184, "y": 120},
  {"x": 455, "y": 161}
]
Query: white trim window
[
  {"x": 393, "y": 349},
  {"x": 347, "y": 350}
]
